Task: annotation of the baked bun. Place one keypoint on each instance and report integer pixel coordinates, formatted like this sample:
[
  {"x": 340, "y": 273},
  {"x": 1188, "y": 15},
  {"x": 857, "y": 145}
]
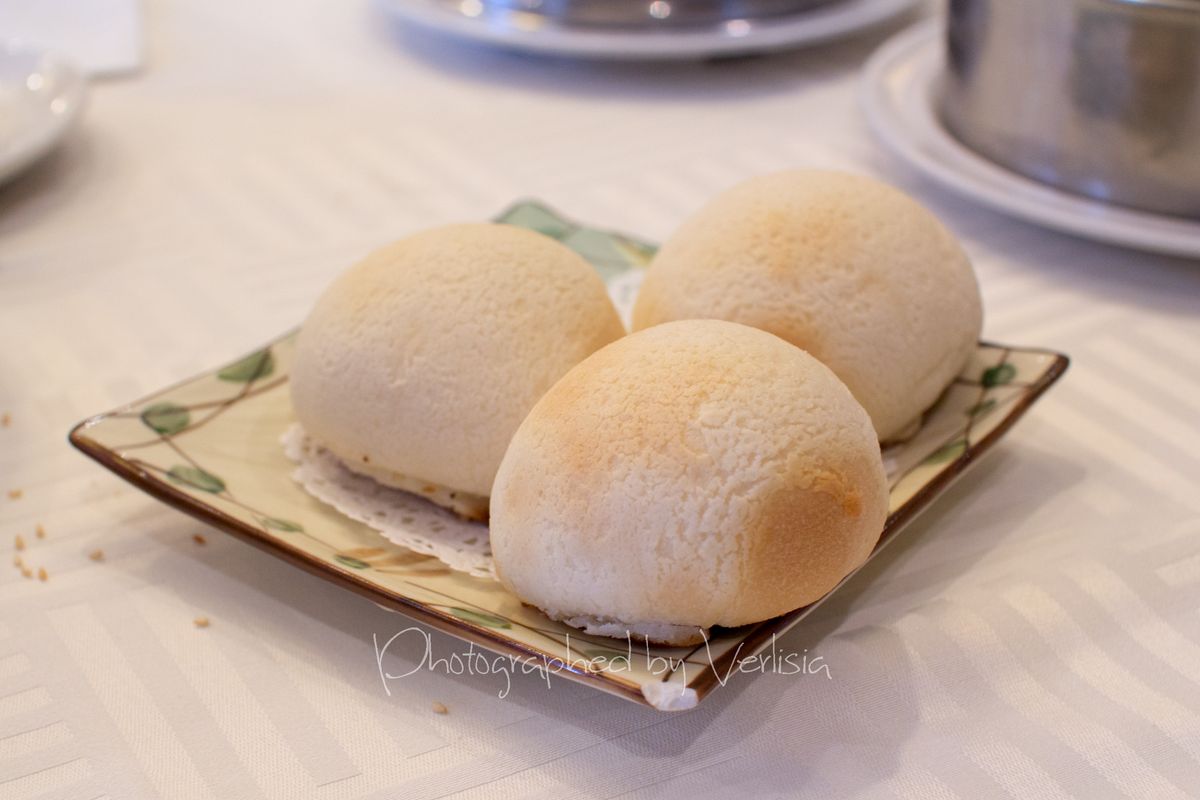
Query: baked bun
[
  {"x": 418, "y": 363},
  {"x": 698, "y": 473},
  {"x": 853, "y": 271}
]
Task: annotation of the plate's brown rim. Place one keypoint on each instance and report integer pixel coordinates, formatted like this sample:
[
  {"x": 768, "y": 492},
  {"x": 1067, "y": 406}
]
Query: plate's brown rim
[
  {"x": 212, "y": 515},
  {"x": 902, "y": 516},
  {"x": 702, "y": 684}
]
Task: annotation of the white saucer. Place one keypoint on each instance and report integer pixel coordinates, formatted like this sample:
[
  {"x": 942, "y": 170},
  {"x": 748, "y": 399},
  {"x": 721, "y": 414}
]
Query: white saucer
[
  {"x": 897, "y": 96},
  {"x": 41, "y": 96},
  {"x": 464, "y": 19}
]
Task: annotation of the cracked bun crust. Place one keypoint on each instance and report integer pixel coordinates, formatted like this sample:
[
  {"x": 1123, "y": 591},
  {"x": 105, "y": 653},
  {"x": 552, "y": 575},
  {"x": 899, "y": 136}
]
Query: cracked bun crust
[
  {"x": 698, "y": 473},
  {"x": 853, "y": 271},
  {"x": 422, "y": 359}
]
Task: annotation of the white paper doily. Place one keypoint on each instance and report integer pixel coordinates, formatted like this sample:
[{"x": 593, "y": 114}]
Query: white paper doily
[{"x": 402, "y": 518}]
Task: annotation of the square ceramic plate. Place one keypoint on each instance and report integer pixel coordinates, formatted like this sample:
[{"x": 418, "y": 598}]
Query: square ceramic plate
[{"x": 211, "y": 447}]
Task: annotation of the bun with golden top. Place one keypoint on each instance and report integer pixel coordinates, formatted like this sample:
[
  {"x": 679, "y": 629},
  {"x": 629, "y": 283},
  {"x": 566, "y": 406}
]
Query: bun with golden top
[
  {"x": 853, "y": 271},
  {"x": 418, "y": 363},
  {"x": 698, "y": 473}
]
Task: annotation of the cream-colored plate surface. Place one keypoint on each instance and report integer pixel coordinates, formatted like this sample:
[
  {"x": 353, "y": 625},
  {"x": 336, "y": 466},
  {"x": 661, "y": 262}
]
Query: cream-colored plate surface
[{"x": 210, "y": 446}]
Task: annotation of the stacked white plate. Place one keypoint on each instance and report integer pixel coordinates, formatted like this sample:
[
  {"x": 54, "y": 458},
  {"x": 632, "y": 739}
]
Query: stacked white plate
[
  {"x": 474, "y": 20},
  {"x": 41, "y": 96},
  {"x": 898, "y": 95}
]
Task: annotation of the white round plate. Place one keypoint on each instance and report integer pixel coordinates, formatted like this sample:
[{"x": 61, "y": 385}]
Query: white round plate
[
  {"x": 897, "y": 93},
  {"x": 41, "y": 96},
  {"x": 736, "y": 37}
]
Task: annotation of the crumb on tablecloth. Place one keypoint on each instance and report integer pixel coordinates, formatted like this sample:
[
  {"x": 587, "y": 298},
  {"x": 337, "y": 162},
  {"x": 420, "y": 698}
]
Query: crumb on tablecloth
[
  {"x": 96, "y": 555},
  {"x": 15, "y": 494},
  {"x": 5, "y": 420},
  {"x": 198, "y": 538},
  {"x": 26, "y": 572},
  {"x": 42, "y": 574},
  {"x": 19, "y": 542},
  {"x": 438, "y": 708},
  {"x": 200, "y": 622},
  {"x": 39, "y": 531}
]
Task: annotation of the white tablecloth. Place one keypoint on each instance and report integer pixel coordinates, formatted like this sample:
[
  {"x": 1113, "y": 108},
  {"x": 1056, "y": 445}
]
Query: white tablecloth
[{"x": 1036, "y": 634}]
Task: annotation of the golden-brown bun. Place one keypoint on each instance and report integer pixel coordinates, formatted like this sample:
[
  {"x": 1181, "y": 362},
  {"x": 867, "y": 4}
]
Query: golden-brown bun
[
  {"x": 694, "y": 474},
  {"x": 853, "y": 271},
  {"x": 422, "y": 360}
]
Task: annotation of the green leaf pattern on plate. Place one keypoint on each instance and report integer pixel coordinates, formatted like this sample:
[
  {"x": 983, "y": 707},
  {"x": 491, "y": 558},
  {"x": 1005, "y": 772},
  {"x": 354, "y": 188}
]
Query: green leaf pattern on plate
[
  {"x": 251, "y": 368},
  {"x": 537, "y": 217},
  {"x": 999, "y": 375},
  {"x": 351, "y": 562},
  {"x": 947, "y": 452},
  {"x": 196, "y": 478},
  {"x": 166, "y": 418}
]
